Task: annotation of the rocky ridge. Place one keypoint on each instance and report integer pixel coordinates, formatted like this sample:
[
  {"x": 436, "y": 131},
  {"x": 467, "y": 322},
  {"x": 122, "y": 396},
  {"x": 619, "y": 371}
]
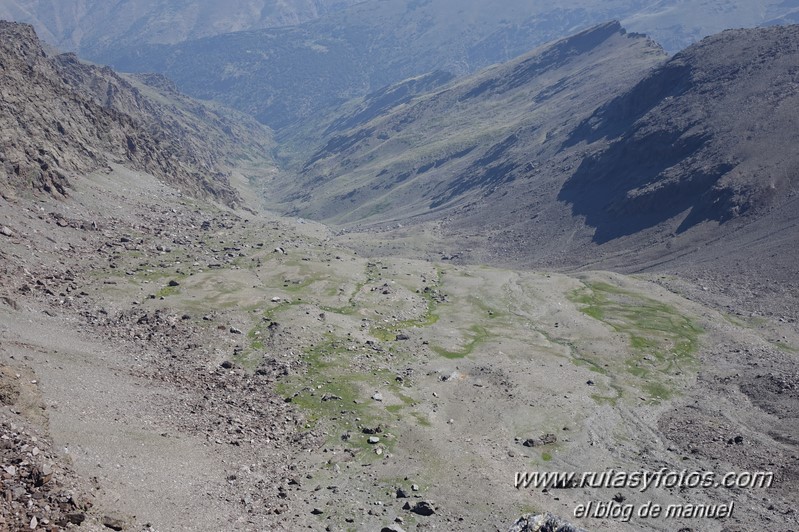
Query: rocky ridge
[{"x": 62, "y": 118}]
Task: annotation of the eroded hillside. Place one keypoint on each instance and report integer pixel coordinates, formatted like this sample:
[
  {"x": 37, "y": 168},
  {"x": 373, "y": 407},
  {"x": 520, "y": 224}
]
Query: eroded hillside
[{"x": 61, "y": 118}]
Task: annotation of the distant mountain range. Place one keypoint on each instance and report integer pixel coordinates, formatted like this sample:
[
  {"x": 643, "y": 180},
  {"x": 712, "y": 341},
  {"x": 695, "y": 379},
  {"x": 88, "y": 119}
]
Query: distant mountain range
[
  {"x": 598, "y": 148},
  {"x": 90, "y": 26},
  {"x": 287, "y": 62}
]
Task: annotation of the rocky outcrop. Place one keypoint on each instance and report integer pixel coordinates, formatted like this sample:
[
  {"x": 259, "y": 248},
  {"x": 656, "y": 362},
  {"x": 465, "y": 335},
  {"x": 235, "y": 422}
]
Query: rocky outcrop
[{"x": 61, "y": 118}]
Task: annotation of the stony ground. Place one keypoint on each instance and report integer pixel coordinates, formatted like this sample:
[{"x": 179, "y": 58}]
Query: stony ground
[{"x": 171, "y": 365}]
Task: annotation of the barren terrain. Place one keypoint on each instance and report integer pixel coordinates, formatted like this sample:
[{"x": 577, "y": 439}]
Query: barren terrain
[{"x": 202, "y": 370}]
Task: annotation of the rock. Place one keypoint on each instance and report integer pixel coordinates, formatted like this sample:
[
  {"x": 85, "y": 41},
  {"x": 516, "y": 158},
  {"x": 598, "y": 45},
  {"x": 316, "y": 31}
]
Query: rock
[
  {"x": 317, "y": 511},
  {"x": 373, "y": 440},
  {"x": 6, "y": 231},
  {"x": 401, "y": 493},
  {"x": 424, "y": 508},
  {"x": 392, "y": 528},
  {"x": 377, "y": 396},
  {"x": 414, "y": 487},
  {"x": 543, "y": 523},
  {"x": 114, "y": 523},
  {"x": 590, "y": 382},
  {"x": 76, "y": 518},
  {"x": 276, "y": 299},
  {"x": 548, "y": 439},
  {"x": 402, "y": 336},
  {"x": 234, "y": 330},
  {"x": 330, "y": 397},
  {"x": 174, "y": 283},
  {"x": 227, "y": 364}
]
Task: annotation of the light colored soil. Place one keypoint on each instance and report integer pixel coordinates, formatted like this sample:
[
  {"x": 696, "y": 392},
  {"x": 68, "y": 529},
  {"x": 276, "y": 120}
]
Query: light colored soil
[{"x": 134, "y": 395}]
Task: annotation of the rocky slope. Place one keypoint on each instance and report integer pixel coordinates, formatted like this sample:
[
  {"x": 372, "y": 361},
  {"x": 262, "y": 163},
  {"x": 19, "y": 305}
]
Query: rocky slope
[
  {"x": 178, "y": 365},
  {"x": 708, "y": 135},
  {"x": 62, "y": 118}
]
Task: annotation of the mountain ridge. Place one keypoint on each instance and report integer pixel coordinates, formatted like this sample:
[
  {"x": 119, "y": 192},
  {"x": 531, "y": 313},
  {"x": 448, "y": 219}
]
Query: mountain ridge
[{"x": 81, "y": 117}]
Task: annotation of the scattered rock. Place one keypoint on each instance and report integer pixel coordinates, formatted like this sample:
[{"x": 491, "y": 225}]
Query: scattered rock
[
  {"x": 424, "y": 508},
  {"x": 543, "y": 523},
  {"x": 330, "y": 397},
  {"x": 114, "y": 523}
]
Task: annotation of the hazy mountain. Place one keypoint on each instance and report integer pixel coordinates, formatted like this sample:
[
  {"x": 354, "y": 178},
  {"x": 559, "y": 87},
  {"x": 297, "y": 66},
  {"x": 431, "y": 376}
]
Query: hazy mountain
[
  {"x": 91, "y": 26},
  {"x": 61, "y": 118},
  {"x": 297, "y": 72}
]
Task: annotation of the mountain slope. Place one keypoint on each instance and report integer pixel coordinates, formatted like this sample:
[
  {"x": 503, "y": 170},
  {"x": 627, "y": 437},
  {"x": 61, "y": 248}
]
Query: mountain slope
[
  {"x": 61, "y": 118},
  {"x": 712, "y": 132},
  {"x": 461, "y": 143},
  {"x": 689, "y": 163},
  {"x": 293, "y": 74}
]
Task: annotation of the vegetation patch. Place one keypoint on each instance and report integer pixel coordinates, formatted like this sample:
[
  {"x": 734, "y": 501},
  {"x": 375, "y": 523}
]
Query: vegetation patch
[
  {"x": 662, "y": 341},
  {"x": 331, "y": 391},
  {"x": 477, "y": 335}
]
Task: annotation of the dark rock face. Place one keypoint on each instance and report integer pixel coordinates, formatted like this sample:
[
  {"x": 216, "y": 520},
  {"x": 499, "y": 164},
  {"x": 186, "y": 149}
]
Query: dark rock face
[
  {"x": 708, "y": 134},
  {"x": 62, "y": 118}
]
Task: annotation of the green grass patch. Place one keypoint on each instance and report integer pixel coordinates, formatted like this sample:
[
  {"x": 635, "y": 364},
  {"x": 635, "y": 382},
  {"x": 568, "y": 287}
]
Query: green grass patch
[
  {"x": 477, "y": 335},
  {"x": 331, "y": 392},
  {"x": 388, "y": 332},
  {"x": 662, "y": 341},
  {"x": 168, "y": 291},
  {"x": 421, "y": 419}
]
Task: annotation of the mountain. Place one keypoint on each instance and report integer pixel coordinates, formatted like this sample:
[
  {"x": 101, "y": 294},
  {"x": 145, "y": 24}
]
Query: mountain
[
  {"x": 596, "y": 150},
  {"x": 62, "y": 118},
  {"x": 710, "y": 133},
  {"x": 91, "y": 26},
  {"x": 463, "y": 142},
  {"x": 295, "y": 73}
]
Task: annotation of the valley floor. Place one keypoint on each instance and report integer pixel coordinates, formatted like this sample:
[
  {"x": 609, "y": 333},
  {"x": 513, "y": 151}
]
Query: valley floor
[{"x": 186, "y": 367}]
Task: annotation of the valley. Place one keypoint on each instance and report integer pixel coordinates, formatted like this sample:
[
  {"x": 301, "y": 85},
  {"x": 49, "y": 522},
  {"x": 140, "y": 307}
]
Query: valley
[
  {"x": 383, "y": 317},
  {"x": 256, "y": 357}
]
